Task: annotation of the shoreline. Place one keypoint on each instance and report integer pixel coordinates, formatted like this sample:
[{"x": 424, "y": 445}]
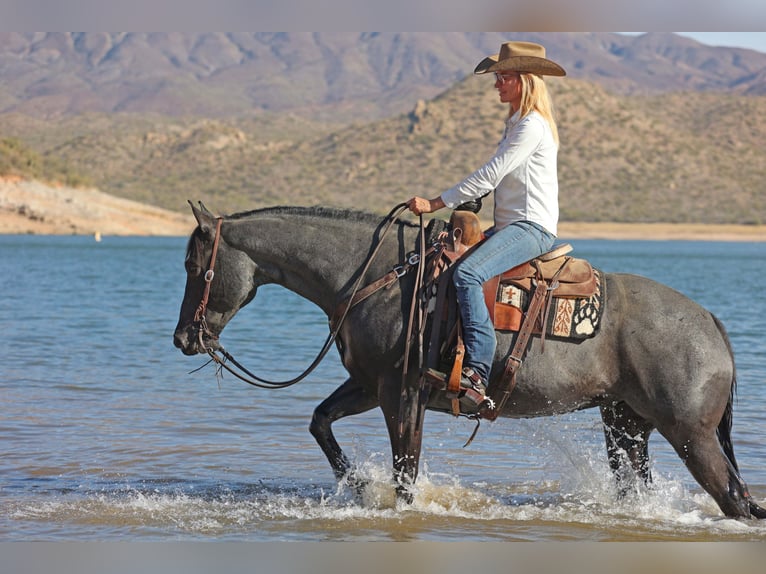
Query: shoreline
[
  {"x": 663, "y": 231},
  {"x": 34, "y": 208},
  {"x": 567, "y": 230}
]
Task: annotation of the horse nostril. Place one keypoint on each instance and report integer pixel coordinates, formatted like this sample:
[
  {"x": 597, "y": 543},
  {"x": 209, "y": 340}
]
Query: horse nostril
[{"x": 180, "y": 339}]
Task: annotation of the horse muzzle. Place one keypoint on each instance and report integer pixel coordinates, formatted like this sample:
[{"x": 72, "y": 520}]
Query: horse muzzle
[{"x": 195, "y": 339}]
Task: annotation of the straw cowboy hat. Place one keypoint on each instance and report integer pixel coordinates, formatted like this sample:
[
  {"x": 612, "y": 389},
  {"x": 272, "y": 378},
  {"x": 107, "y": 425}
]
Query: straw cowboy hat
[{"x": 526, "y": 57}]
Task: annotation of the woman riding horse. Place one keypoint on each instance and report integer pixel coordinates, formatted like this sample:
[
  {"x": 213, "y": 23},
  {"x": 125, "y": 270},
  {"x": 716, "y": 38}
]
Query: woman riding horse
[{"x": 522, "y": 173}]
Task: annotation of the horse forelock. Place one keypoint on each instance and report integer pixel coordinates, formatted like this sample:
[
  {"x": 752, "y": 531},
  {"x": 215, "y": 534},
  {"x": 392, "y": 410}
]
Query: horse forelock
[{"x": 195, "y": 248}]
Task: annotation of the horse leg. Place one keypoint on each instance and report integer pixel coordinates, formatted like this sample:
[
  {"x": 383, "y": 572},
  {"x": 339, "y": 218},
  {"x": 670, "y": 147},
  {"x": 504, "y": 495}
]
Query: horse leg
[
  {"x": 702, "y": 455},
  {"x": 627, "y": 442},
  {"x": 348, "y": 399},
  {"x": 404, "y": 409}
]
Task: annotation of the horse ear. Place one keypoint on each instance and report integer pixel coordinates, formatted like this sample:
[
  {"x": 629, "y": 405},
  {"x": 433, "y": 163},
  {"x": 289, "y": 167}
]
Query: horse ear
[{"x": 204, "y": 218}]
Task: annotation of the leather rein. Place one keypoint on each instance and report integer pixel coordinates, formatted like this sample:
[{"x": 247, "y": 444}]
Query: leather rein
[{"x": 358, "y": 294}]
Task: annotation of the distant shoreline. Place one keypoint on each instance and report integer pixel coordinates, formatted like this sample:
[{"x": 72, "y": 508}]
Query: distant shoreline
[
  {"x": 662, "y": 231},
  {"x": 33, "y": 208},
  {"x": 567, "y": 231}
]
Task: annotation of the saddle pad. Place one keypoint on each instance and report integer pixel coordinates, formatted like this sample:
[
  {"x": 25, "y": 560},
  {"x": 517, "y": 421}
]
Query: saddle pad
[{"x": 568, "y": 318}]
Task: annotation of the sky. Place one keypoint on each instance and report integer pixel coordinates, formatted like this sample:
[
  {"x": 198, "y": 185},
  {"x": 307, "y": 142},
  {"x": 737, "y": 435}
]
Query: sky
[
  {"x": 752, "y": 40},
  {"x": 397, "y": 15}
]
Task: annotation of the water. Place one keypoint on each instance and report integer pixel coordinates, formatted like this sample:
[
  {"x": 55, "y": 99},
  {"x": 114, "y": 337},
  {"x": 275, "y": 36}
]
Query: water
[{"x": 105, "y": 435}]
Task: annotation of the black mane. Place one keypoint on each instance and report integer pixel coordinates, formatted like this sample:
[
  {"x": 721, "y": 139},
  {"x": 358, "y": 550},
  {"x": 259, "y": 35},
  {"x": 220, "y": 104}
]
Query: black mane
[{"x": 316, "y": 211}]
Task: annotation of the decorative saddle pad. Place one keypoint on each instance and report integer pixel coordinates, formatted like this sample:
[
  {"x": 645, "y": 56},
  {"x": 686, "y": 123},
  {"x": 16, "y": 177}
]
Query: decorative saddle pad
[{"x": 568, "y": 317}]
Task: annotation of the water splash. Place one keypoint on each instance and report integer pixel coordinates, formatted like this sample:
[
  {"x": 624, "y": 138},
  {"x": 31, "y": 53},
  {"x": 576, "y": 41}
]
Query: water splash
[{"x": 443, "y": 508}]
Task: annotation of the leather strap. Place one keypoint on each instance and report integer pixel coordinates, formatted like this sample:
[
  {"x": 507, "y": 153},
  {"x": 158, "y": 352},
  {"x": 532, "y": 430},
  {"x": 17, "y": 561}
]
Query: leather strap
[
  {"x": 453, "y": 384},
  {"x": 490, "y": 295},
  {"x": 384, "y": 281},
  {"x": 550, "y": 288},
  {"x": 512, "y": 364},
  {"x": 199, "y": 314}
]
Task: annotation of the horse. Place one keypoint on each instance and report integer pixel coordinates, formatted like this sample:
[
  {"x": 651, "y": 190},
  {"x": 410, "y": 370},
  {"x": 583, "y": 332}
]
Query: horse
[{"x": 660, "y": 361}]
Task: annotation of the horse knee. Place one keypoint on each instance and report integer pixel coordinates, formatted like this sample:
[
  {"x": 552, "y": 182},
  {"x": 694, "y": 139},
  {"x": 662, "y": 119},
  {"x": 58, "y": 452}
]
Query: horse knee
[{"x": 319, "y": 426}]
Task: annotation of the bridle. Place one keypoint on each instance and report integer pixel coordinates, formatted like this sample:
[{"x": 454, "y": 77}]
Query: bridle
[
  {"x": 357, "y": 295},
  {"x": 200, "y": 322}
]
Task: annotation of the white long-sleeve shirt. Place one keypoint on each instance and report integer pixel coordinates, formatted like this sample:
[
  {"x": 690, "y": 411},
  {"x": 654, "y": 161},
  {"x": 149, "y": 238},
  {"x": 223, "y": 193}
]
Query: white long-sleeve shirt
[{"x": 522, "y": 174}]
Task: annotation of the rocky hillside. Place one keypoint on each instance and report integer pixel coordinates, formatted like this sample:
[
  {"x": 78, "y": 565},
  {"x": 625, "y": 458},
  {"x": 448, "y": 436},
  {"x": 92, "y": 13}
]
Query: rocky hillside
[{"x": 681, "y": 157}]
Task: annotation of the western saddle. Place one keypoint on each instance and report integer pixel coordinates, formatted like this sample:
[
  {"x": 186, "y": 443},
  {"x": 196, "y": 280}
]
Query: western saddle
[{"x": 552, "y": 275}]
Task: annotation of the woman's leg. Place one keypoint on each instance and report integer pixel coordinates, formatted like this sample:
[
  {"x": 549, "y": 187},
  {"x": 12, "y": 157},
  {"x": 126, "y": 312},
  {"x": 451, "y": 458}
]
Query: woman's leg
[{"x": 506, "y": 248}]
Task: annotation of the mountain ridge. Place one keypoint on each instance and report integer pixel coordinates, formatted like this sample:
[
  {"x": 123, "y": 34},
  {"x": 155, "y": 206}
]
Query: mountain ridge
[{"x": 331, "y": 75}]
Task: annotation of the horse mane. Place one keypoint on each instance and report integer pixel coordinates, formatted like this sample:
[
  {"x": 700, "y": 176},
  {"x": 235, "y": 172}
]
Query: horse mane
[{"x": 315, "y": 211}]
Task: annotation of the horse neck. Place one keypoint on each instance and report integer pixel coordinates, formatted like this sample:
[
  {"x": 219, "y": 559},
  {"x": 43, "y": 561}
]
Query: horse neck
[{"x": 316, "y": 256}]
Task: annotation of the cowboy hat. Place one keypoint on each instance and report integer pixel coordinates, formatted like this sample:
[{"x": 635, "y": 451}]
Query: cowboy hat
[{"x": 525, "y": 57}]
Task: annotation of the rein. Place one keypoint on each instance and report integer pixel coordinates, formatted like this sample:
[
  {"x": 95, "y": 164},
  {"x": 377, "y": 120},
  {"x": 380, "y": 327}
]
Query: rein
[{"x": 358, "y": 294}]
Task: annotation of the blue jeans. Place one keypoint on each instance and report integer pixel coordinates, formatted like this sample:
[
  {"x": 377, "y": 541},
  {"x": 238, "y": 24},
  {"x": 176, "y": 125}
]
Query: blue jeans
[{"x": 513, "y": 245}]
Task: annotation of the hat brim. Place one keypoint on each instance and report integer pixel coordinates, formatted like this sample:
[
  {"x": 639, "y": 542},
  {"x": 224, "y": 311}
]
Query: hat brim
[{"x": 523, "y": 64}]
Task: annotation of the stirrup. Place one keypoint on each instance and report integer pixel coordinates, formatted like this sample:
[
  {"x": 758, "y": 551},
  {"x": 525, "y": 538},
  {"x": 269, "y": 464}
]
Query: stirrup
[{"x": 473, "y": 391}]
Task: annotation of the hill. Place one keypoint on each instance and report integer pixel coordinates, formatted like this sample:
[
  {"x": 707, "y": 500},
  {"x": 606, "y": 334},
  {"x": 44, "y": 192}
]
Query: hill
[
  {"x": 336, "y": 76},
  {"x": 678, "y": 157}
]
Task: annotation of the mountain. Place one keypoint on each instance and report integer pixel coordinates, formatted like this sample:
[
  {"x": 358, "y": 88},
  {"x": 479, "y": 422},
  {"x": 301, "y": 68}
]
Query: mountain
[
  {"x": 654, "y": 128},
  {"x": 339, "y": 76}
]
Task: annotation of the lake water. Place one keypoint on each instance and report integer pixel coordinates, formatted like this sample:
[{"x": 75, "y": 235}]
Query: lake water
[{"x": 106, "y": 435}]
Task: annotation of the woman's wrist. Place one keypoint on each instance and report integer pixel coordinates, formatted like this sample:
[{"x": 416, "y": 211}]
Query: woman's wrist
[{"x": 436, "y": 203}]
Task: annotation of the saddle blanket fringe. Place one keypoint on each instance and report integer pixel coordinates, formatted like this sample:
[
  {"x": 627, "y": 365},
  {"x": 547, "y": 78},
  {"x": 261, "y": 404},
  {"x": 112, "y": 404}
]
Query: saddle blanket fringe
[{"x": 568, "y": 318}]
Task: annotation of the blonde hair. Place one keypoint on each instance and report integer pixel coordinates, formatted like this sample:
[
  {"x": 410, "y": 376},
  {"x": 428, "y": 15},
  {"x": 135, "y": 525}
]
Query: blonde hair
[{"x": 535, "y": 96}]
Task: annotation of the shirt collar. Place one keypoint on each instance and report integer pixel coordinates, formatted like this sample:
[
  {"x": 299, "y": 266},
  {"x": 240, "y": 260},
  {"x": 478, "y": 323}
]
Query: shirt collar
[{"x": 509, "y": 123}]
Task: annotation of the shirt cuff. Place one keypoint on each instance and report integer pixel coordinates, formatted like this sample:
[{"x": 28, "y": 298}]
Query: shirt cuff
[{"x": 451, "y": 198}]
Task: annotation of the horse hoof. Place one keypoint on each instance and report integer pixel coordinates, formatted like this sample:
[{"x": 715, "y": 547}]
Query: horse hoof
[
  {"x": 404, "y": 494},
  {"x": 355, "y": 484}
]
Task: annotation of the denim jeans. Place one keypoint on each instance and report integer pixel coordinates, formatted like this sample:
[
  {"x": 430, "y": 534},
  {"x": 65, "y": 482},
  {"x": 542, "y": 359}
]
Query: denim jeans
[{"x": 513, "y": 245}]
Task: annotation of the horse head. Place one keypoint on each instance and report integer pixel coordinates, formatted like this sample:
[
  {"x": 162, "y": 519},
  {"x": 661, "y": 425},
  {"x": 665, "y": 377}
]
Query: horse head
[{"x": 214, "y": 293}]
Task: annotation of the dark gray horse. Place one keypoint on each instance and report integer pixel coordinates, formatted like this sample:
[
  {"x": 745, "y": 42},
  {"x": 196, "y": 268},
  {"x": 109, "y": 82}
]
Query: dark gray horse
[{"x": 659, "y": 362}]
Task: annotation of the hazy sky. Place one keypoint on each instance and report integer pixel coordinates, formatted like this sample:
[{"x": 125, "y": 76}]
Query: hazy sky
[
  {"x": 396, "y": 15},
  {"x": 752, "y": 40}
]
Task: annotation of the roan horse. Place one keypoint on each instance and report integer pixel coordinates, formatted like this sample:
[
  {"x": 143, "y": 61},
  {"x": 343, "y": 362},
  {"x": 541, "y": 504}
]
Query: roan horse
[{"x": 660, "y": 361}]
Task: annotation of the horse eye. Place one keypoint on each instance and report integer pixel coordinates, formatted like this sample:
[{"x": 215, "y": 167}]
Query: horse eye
[{"x": 193, "y": 269}]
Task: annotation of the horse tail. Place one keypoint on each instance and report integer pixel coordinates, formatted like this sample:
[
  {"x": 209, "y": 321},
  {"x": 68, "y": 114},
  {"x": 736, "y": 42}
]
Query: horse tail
[
  {"x": 723, "y": 432},
  {"x": 724, "y": 426}
]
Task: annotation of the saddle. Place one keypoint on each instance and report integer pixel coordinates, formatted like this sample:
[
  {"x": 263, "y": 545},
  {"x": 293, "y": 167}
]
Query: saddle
[
  {"x": 566, "y": 278},
  {"x": 518, "y": 300}
]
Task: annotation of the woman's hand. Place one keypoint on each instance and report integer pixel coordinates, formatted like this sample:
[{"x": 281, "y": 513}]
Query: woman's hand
[{"x": 419, "y": 205}]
